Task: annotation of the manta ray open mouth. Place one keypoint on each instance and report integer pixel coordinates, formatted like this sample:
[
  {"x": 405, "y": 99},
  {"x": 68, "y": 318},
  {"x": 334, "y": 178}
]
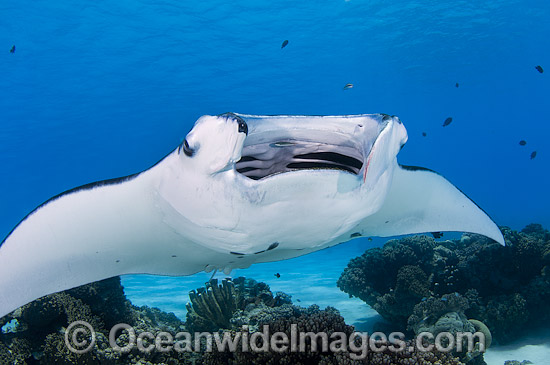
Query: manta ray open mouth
[
  {"x": 278, "y": 150},
  {"x": 260, "y": 161}
]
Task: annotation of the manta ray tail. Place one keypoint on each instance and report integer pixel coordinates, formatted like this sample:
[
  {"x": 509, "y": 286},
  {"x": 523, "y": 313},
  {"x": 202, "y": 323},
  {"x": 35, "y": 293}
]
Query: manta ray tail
[{"x": 421, "y": 200}]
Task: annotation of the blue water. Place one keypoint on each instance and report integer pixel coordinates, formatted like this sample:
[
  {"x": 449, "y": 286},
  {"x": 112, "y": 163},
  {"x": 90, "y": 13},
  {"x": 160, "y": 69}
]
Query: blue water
[{"x": 102, "y": 89}]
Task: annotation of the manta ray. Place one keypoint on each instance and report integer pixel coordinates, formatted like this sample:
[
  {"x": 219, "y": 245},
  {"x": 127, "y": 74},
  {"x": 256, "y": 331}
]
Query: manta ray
[{"x": 240, "y": 189}]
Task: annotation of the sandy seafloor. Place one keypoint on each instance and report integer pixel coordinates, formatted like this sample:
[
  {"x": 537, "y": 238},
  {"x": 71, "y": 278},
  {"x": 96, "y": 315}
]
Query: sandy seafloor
[{"x": 311, "y": 279}]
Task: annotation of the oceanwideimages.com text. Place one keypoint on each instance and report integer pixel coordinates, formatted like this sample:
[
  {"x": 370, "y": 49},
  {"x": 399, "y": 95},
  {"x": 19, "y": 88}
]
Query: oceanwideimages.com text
[{"x": 80, "y": 338}]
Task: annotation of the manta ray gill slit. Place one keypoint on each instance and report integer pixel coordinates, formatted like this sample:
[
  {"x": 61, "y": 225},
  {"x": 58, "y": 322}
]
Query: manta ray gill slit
[{"x": 281, "y": 155}]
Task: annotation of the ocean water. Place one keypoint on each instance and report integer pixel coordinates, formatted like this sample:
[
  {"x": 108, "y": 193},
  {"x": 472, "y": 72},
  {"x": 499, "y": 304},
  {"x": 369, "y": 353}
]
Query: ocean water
[{"x": 96, "y": 90}]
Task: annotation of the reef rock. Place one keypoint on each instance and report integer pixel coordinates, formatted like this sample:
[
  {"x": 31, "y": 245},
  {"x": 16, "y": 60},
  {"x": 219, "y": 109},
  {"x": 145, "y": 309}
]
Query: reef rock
[
  {"x": 507, "y": 288},
  {"x": 38, "y": 336}
]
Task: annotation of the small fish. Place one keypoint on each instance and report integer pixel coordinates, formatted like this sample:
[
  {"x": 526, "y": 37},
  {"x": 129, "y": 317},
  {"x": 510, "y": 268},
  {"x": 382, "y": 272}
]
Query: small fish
[
  {"x": 539, "y": 69},
  {"x": 298, "y": 300},
  {"x": 456, "y": 85},
  {"x": 522, "y": 143},
  {"x": 443, "y": 299},
  {"x": 278, "y": 275},
  {"x": 285, "y": 43},
  {"x": 447, "y": 121},
  {"x": 12, "y": 50},
  {"x": 348, "y": 86},
  {"x": 533, "y": 154},
  {"x": 424, "y": 134},
  {"x": 437, "y": 234}
]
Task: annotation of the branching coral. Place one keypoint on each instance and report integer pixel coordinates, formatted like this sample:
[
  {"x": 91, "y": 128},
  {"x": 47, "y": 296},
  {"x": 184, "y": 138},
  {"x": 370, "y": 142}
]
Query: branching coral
[{"x": 212, "y": 307}]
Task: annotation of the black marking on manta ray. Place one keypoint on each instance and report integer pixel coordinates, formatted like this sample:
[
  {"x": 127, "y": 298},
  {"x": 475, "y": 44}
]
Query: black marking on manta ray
[
  {"x": 89, "y": 186},
  {"x": 115, "y": 181},
  {"x": 236, "y": 253},
  {"x": 243, "y": 127},
  {"x": 247, "y": 159},
  {"x": 246, "y": 169},
  {"x": 271, "y": 247},
  {"x": 418, "y": 168},
  {"x": 230, "y": 115},
  {"x": 189, "y": 152},
  {"x": 355, "y": 234},
  {"x": 332, "y": 157},
  {"x": 386, "y": 117},
  {"x": 318, "y": 165}
]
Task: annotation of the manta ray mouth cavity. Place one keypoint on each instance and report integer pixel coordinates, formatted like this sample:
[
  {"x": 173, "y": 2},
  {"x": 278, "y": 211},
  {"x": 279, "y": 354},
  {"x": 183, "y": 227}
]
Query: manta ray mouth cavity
[{"x": 268, "y": 158}]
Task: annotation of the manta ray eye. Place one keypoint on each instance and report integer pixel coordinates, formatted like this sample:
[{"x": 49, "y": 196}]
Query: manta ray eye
[
  {"x": 243, "y": 127},
  {"x": 187, "y": 150}
]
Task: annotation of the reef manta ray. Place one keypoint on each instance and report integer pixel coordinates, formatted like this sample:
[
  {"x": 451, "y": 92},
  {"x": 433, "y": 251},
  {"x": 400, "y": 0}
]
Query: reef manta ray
[{"x": 240, "y": 189}]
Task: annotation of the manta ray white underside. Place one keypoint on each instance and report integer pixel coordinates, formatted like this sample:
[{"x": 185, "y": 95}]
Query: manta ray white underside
[{"x": 240, "y": 189}]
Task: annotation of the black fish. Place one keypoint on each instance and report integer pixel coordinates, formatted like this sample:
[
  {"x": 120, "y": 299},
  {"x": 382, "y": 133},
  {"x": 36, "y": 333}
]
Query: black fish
[
  {"x": 424, "y": 134},
  {"x": 522, "y": 143},
  {"x": 437, "y": 234},
  {"x": 12, "y": 50},
  {"x": 285, "y": 43},
  {"x": 533, "y": 154},
  {"x": 447, "y": 121},
  {"x": 456, "y": 84},
  {"x": 278, "y": 275},
  {"x": 539, "y": 69}
]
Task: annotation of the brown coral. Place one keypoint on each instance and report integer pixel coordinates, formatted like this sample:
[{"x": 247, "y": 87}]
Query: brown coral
[{"x": 506, "y": 287}]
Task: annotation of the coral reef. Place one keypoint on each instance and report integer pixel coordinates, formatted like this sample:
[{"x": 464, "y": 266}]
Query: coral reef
[
  {"x": 416, "y": 280},
  {"x": 373, "y": 277},
  {"x": 212, "y": 307},
  {"x": 282, "y": 319},
  {"x": 39, "y": 336},
  {"x": 236, "y": 305}
]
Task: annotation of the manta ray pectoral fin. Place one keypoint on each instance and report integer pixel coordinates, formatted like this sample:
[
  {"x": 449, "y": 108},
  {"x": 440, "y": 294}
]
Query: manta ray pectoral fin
[{"x": 420, "y": 200}]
